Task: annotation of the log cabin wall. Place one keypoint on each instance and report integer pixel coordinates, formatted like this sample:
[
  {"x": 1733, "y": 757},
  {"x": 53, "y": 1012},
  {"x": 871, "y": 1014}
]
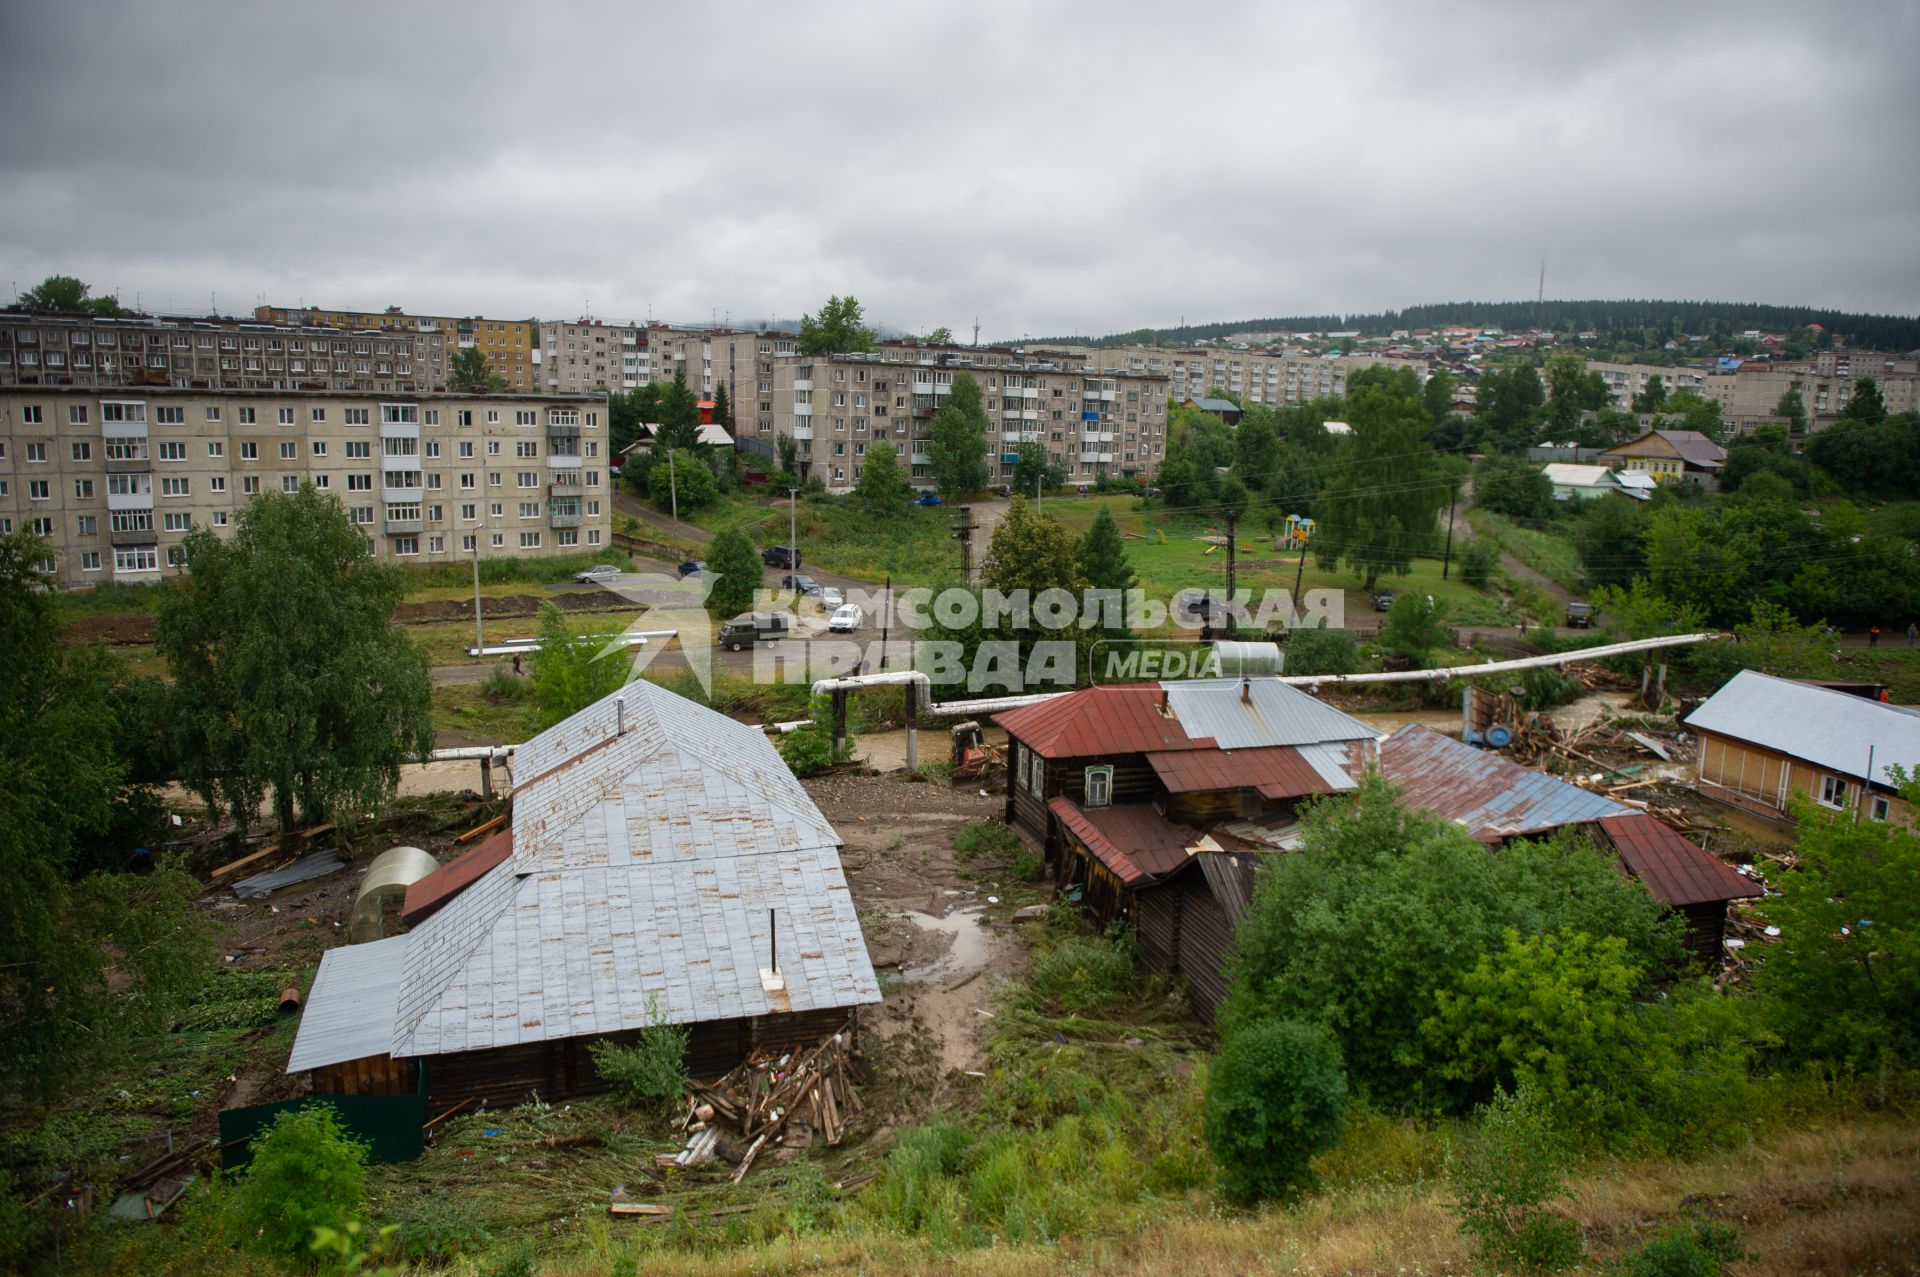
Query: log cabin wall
[
  {"x": 1205, "y": 938},
  {"x": 373, "y": 1075}
]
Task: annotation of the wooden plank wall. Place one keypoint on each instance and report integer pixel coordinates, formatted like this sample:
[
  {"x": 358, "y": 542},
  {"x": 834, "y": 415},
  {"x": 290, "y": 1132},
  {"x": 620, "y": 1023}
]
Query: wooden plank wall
[
  {"x": 1204, "y": 939},
  {"x": 372, "y": 1075}
]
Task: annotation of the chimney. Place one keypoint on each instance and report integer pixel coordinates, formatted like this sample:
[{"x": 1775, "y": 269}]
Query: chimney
[
  {"x": 1246, "y": 691},
  {"x": 619, "y": 716}
]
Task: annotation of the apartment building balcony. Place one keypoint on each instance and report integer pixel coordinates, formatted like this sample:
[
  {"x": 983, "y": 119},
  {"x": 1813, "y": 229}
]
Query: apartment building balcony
[
  {"x": 402, "y": 496},
  {"x": 557, "y": 520},
  {"x": 130, "y": 500},
  {"x": 1099, "y": 436},
  {"x": 138, "y": 536},
  {"x": 129, "y": 465},
  {"x": 803, "y": 384},
  {"x": 399, "y": 430},
  {"x": 803, "y": 410},
  {"x": 1024, "y": 436},
  {"x": 802, "y": 434},
  {"x": 405, "y": 527},
  {"x": 1091, "y": 457},
  {"x": 123, "y": 430}
]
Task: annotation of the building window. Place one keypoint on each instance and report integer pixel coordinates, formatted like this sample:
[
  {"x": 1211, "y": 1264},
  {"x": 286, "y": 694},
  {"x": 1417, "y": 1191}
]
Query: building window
[
  {"x": 219, "y": 518},
  {"x": 356, "y": 416},
  {"x": 1099, "y": 786},
  {"x": 83, "y": 489},
  {"x": 89, "y": 560},
  {"x": 217, "y": 483},
  {"x": 31, "y": 415},
  {"x": 1833, "y": 791},
  {"x": 1879, "y": 809},
  {"x": 38, "y": 490},
  {"x": 406, "y": 545},
  {"x": 289, "y": 450},
  {"x": 81, "y": 451},
  {"x": 171, "y": 416},
  {"x": 177, "y": 522},
  {"x": 245, "y": 416},
  {"x": 213, "y": 414},
  {"x": 139, "y": 558},
  {"x": 529, "y": 540},
  {"x": 37, "y": 452},
  {"x": 249, "y": 450},
  {"x": 174, "y": 487}
]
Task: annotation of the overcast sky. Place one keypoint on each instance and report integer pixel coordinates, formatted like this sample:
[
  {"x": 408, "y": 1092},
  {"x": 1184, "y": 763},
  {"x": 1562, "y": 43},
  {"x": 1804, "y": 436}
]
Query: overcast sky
[{"x": 1045, "y": 169}]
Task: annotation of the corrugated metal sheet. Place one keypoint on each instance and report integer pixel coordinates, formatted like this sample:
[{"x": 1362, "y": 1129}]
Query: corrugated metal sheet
[
  {"x": 1274, "y": 714},
  {"x": 425, "y": 897},
  {"x": 1274, "y": 771},
  {"x": 1133, "y": 839},
  {"x": 1492, "y": 796},
  {"x": 1230, "y": 878},
  {"x": 1338, "y": 761},
  {"x": 644, "y": 865},
  {"x": 1676, "y": 872},
  {"x": 1116, "y": 719},
  {"x": 1829, "y": 729},
  {"x": 350, "y": 1009}
]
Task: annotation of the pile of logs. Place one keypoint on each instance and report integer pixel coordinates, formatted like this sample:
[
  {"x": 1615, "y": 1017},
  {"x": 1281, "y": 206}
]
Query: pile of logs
[{"x": 787, "y": 1099}]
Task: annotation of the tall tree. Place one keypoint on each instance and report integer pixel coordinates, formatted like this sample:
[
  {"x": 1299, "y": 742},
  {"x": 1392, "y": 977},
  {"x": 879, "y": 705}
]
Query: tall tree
[
  {"x": 737, "y": 574},
  {"x": 571, "y": 670},
  {"x": 682, "y": 480},
  {"x": 788, "y": 450},
  {"x": 679, "y": 415},
  {"x": 1867, "y": 403},
  {"x": 940, "y": 337},
  {"x": 1696, "y": 412},
  {"x": 469, "y": 375},
  {"x": 1794, "y": 409},
  {"x": 1510, "y": 404},
  {"x": 1256, "y": 447},
  {"x": 837, "y": 329},
  {"x": 1572, "y": 390},
  {"x": 1103, "y": 558},
  {"x": 83, "y": 966},
  {"x": 292, "y": 677},
  {"x": 1377, "y": 511},
  {"x": 1653, "y": 398},
  {"x": 628, "y": 411},
  {"x": 882, "y": 489},
  {"x": 1032, "y": 551},
  {"x": 957, "y": 442},
  {"x": 1437, "y": 395},
  {"x": 1036, "y": 469},
  {"x": 722, "y": 408},
  {"x": 65, "y": 295}
]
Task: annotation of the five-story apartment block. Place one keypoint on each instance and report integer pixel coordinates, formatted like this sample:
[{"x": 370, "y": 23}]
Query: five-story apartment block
[
  {"x": 506, "y": 343},
  {"x": 591, "y": 355}
]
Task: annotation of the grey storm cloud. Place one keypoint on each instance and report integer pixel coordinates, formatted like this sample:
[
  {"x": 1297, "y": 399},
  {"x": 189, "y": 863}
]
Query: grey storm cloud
[{"x": 1043, "y": 168}]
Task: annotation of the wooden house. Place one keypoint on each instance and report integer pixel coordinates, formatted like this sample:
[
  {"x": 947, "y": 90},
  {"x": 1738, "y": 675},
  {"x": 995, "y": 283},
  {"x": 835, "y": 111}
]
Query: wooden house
[
  {"x": 662, "y": 863},
  {"x": 1670, "y": 456},
  {"x": 1762, "y": 738}
]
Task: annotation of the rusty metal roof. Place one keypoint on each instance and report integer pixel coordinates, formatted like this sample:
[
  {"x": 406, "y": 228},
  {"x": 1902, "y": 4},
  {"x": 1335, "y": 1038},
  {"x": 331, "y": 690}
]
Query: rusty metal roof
[
  {"x": 1676, "y": 872},
  {"x": 1142, "y": 718},
  {"x": 1133, "y": 839},
  {"x": 651, "y": 868},
  {"x": 1492, "y": 796},
  {"x": 425, "y": 897},
  {"x": 1121, "y": 718},
  {"x": 1273, "y": 771}
]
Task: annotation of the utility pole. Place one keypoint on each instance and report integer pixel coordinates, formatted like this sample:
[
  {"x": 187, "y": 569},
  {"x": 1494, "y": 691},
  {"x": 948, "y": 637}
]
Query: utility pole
[
  {"x": 1300, "y": 571},
  {"x": 673, "y": 486},
  {"x": 1039, "y": 497},
  {"x": 963, "y": 533},
  {"x": 479, "y": 639},
  {"x": 886, "y": 616},
  {"x": 1231, "y": 521},
  {"x": 793, "y": 529},
  {"x": 1446, "y": 557}
]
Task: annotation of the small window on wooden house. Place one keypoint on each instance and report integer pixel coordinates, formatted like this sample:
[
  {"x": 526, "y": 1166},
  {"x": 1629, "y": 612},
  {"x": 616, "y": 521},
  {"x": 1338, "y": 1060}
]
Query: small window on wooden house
[
  {"x": 1099, "y": 786},
  {"x": 1879, "y": 810},
  {"x": 1833, "y": 791},
  {"x": 1036, "y": 774}
]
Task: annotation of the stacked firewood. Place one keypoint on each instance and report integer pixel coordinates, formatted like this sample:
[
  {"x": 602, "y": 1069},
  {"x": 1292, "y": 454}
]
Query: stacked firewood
[{"x": 787, "y": 1099}]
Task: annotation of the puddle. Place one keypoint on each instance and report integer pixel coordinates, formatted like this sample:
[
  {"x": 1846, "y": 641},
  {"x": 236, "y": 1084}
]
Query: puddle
[{"x": 968, "y": 951}]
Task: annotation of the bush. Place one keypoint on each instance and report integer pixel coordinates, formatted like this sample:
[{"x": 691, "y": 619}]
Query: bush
[
  {"x": 307, "y": 1173},
  {"x": 1320, "y": 651},
  {"x": 16, "y": 1226},
  {"x": 989, "y": 836},
  {"x": 1504, "y": 1178},
  {"x": 1477, "y": 561},
  {"x": 1414, "y": 627},
  {"x": 1701, "y": 1249},
  {"x": 807, "y": 750},
  {"x": 652, "y": 1072},
  {"x": 1276, "y": 1096},
  {"x": 1080, "y": 973},
  {"x": 439, "y": 1228}
]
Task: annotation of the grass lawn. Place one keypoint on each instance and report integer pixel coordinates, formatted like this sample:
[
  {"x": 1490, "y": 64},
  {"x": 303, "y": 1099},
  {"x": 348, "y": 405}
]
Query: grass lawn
[
  {"x": 1549, "y": 553},
  {"x": 471, "y": 708},
  {"x": 916, "y": 547}
]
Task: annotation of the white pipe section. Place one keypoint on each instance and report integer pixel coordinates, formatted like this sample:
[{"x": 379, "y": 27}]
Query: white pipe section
[
  {"x": 521, "y": 647},
  {"x": 854, "y": 682},
  {"x": 1501, "y": 667}
]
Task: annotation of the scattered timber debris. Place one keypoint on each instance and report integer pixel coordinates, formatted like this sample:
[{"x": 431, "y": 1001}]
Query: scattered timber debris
[{"x": 788, "y": 1099}]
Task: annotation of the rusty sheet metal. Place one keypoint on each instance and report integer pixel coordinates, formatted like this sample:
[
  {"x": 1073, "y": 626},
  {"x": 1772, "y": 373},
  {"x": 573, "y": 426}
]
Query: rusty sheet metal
[
  {"x": 1133, "y": 839},
  {"x": 1275, "y": 772},
  {"x": 1492, "y": 796},
  {"x": 648, "y": 873},
  {"x": 1121, "y": 718},
  {"x": 425, "y": 897},
  {"x": 1677, "y": 872}
]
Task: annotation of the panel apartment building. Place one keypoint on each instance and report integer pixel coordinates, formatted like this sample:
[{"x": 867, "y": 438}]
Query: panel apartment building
[
  {"x": 1093, "y": 424},
  {"x": 743, "y": 362},
  {"x": 216, "y": 354},
  {"x": 1255, "y": 376},
  {"x": 506, "y": 343},
  {"x": 114, "y": 478},
  {"x": 1749, "y": 394},
  {"x": 591, "y": 356}
]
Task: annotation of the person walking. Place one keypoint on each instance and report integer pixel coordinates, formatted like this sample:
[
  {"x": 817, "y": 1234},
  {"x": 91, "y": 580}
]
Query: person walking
[
  {"x": 1913, "y": 633},
  {"x": 516, "y": 665},
  {"x": 1873, "y": 637}
]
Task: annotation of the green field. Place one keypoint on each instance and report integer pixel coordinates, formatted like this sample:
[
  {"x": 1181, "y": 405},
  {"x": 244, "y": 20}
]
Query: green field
[
  {"x": 1549, "y": 553},
  {"x": 837, "y": 537}
]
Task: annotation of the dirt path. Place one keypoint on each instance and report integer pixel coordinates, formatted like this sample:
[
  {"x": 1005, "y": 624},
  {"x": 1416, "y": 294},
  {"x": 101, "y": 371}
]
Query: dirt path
[{"x": 1513, "y": 567}]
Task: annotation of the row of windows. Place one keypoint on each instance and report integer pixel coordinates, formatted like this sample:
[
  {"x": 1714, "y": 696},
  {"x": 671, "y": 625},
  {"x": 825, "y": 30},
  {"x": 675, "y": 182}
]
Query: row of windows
[
  {"x": 391, "y": 414},
  {"x": 182, "y": 486}
]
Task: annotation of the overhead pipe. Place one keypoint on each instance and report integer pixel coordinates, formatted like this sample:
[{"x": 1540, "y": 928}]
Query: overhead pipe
[{"x": 915, "y": 681}]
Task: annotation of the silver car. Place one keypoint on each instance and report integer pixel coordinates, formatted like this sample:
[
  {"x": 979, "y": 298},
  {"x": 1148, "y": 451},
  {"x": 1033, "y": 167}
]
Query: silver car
[{"x": 598, "y": 574}]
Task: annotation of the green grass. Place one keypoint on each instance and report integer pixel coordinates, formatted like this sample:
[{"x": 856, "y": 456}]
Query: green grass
[
  {"x": 473, "y": 709},
  {"x": 837, "y": 536},
  {"x": 1549, "y": 553}
]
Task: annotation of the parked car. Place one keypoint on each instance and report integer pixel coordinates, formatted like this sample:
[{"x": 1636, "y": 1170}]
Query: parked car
[
  {"x": 1580, "y": 615},
  {"x": 780, "y": 556},
  {"x": 753, "y": 627},
  {"x": 831, "y": 597},
  {"x": 693, "y": 567},
  {"x": 1383, "y": 600},
  {"x": 598, "y": 574},
  {"x": 846, "y": 618},
  {"x": 928, "y": 499},
  {"x": 799, "y": 583}
]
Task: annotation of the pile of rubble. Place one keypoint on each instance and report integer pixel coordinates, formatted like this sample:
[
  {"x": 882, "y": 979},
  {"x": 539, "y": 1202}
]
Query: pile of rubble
[{"x": 789, "y": 1100}]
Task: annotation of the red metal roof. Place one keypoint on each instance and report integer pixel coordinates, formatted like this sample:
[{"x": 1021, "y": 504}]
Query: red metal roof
[
  {"x": 425, "y": 897},
  {"x": 1134, "y": 839},
  {"x": 1275, "y": 771},
  {"x": 1122, "y": 718},
  {"x": 1675, "y": 871}
]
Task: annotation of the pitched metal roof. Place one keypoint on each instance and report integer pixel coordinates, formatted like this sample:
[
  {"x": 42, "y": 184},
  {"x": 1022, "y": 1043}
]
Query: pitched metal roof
[
  {"x": 350, "y": 1009},
  {"x": 1273, "y": 713},
  {"x": 1695, "y": 448},
  {"x": 1675, "y": 871},
  {"x": 1577, "y": 476},
  {"x": 647, "y": 867},
  {"x": 1831, "y": 730},
  {"x": 1492, "y": 796},
  {"x": 1122, "y": 718},
  {"x": 1216, "y": 405},
  {"x": 1133, "y": 839},
  {"x": 1274, "y": 771},
  {"x": 1144, "y": 718},
  {"x": 425, "y": 897}
]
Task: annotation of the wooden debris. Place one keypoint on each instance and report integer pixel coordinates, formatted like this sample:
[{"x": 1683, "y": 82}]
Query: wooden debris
[
  {"x": 243, "y": 862},
  {"x": 432, "y": 1122},
  {"x": 791, "y": 1098},
  {"x": 482, "y": 829}
]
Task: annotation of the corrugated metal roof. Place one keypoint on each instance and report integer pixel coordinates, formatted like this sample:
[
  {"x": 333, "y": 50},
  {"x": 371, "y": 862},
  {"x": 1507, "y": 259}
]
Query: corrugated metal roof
[
  {"x": 1134, "y": 839},
  {"x": 1695, "y": 447},
  {"x": 644, "y": 863},
  {"x": 350, "y": 1009},
  {"x": 1274, "y": 771},
  {"x": 425, "y": 897},
  {"x": 1829, "y": 729},
  {"x": 1230, "y": 879},
  {"x": 1493, "y": 797},
  {"x": 1121, "y": 718},
  {"x": 1274, "y": 714},
  {"x": 1675, "y": 871}
]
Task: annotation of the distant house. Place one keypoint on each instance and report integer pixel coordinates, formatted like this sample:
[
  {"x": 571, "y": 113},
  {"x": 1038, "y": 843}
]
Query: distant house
[
  {"x": 1125, "y": 786},
  {"x": 1763, "y": 737},
  {"x": 1539, "y": 454},
  {"x": 1580, "y": 483},
  {"x": 1225, "y": 409},
  {"x": 1670, "y": 456},
  {"x": 1496, "y": 799},
  {"x": 661, "y": 862}
]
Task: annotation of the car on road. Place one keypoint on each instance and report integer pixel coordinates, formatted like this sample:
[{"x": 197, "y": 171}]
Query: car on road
[
  {"x": 1580, "y": 615},
  {"x": 692, "y": 567},
  {"x": 831, "y": 597},
  {"x": 1383, "y": 600},
  {"x": 799, "y": 583},
  {"x": 846, "y": 618},
  {"x": 780, "y": 556},
  {"x": 927, "y": 499},
  {"x": 598, "y": 574},
  {"x": 753, "y": 627}
]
